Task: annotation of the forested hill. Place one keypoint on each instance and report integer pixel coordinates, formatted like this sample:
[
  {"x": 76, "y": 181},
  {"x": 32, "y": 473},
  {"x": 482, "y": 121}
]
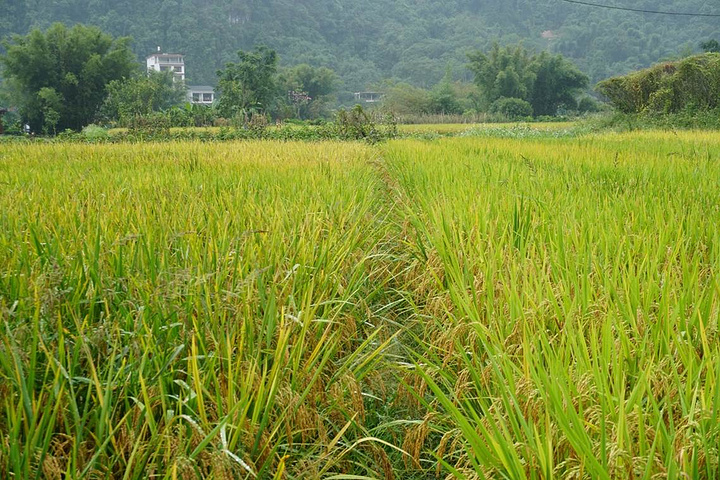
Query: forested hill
[{"x": 370, "y": 40}]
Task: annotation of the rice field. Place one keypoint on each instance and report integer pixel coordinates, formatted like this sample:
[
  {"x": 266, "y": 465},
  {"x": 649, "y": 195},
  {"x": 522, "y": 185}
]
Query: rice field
[
  {"x": 460, "y": 128},
  {"x": 447, "y": 129},
  {"x": 473, "y": 307}
]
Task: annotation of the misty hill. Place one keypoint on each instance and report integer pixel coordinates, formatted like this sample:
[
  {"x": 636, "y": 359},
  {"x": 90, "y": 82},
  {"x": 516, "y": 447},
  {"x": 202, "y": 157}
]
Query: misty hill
[{"x": 367, "y": 41}]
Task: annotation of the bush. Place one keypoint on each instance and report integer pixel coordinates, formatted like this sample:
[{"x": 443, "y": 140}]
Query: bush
[
  {"x": 588, "y": 105},
  {"x": 12, "y": 123},
  {"x": 666, "y": 88},
  {"x": 157, "y": 123},
  {"x": 357, "y": 124},
  {"x": 513, "y": 108},
  {"x": 95, "y": 133}
]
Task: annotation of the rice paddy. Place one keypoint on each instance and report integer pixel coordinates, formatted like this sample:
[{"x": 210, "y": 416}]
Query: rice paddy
[{"x": 473, "y": 307}]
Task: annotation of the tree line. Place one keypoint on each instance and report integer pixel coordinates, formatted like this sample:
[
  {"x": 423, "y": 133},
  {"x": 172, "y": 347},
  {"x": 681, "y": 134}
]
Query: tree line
[{"x": 65, "y": 78}]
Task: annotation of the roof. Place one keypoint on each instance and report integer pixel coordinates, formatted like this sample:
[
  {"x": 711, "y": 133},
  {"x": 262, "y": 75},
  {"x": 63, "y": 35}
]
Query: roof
[
  {"x": 165, "y": 55},
  {"x": 201, "y": 89}
]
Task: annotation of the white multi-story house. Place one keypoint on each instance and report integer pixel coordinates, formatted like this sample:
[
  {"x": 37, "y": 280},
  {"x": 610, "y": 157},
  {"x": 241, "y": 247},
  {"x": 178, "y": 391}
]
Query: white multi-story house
[
  {"x": 175, "y": 63},
  {"x": 167, "y": 62}
]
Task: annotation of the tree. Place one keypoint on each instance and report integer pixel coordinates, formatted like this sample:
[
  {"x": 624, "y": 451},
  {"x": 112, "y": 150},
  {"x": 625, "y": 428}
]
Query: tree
[
  {"x": 711, "y": 46},
  {"x": 504, "y": 72},
  {"x": 62, "y": 74},
  {"x": 545, "y": 81},
  {"x": 443, "y": 98},
  {"x": 316, "y": 85},
  {"x": 249, "y": 84},
  {"x": 141, "y": 95},
  {"x": 557, "y": 83},
  {"x": 405, "y": 99}
]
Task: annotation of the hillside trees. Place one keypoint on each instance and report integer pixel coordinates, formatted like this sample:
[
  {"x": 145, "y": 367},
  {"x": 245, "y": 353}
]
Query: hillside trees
[
  {"x": 61, "y": 75},
  {"x": 546, "y": 82},
  {"x": 366, "y": 42}
]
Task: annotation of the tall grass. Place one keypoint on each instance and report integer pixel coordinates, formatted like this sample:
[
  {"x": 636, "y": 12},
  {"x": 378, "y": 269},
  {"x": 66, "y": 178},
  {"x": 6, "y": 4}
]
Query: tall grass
[
  {"x": 481, "y": 307},
  {"x": 188, "y": 311},
  {"x": 572, "y": 327}
]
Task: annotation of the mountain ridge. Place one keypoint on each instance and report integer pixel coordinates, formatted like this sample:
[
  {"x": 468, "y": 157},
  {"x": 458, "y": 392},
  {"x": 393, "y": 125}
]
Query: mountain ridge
[{"x": 367, "y": 42}]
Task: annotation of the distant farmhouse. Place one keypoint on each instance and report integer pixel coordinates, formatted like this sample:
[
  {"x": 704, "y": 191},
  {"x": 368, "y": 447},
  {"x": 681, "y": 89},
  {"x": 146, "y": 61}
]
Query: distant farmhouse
[
  {"x": 175, "y": 63},
  {"x": 200, "y": 94},
  {"x": 369, "y": 97},
  {"x": 167, "y": 62}
]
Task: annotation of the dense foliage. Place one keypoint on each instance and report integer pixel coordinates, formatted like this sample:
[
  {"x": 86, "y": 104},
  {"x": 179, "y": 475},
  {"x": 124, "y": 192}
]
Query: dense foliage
[
  {"x": 249, "y": 84},
  {"x": 368, "y": 41},
  {"x": 60, "y": 76},
  {"x": 141, "y": 95},
  {"x": 310, "y": 90},
  {"x": 692, "y": 83},
  {"x": 545, "y": 82}
]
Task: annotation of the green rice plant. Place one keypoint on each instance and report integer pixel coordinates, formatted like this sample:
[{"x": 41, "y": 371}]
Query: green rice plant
[{"x": 194, "y": 311}]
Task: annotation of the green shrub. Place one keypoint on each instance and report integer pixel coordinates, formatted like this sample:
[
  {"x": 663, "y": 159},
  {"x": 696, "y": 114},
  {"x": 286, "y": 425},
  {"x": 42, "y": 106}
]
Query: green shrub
[
  {"x": 95, "y": 133},
  {"x": 588, "y": 105},
  {"x": 667, "y": 87},
  {"x": 513, "y": 108},
  {"x": 358, "y": 124}
]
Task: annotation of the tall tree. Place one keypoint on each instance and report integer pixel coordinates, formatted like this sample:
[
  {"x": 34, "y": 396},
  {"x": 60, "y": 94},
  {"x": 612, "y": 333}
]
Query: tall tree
[
  {"x": 317, "y": 85},
  {"x": 504, "y": 72},
  {"x": 557, "y": 83},
  {"x": 443, "y": 98},
  {"x": 249, "y": 84},
  {"x": 62, "y": 74}
]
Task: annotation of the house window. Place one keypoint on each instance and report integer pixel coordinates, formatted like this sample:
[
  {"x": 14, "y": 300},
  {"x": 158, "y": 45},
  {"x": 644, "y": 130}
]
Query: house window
[
  {"x": 164, "y": 68},
  {"x": 196, "y": 97},
  {"x": 207, "y": 97}
]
